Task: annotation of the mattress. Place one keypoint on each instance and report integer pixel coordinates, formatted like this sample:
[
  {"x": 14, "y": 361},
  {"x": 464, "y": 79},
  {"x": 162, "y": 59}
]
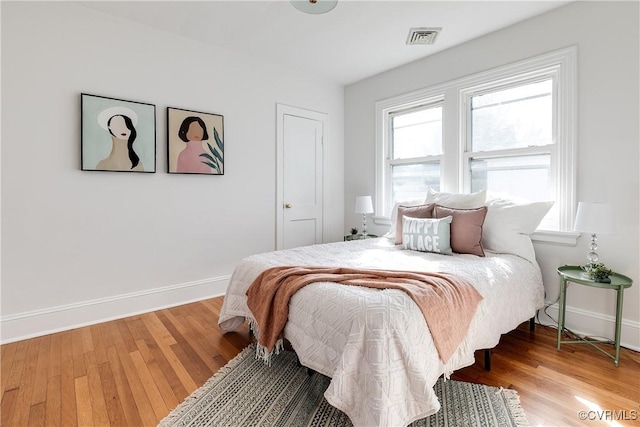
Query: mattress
[{"x": 375, "y": 344}]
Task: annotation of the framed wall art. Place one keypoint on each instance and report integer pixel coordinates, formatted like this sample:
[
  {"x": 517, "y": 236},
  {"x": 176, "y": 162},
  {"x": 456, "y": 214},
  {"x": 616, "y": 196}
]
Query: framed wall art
[
  {"x": 117, "y": 135},
  {"x": 195, "y": 142}
]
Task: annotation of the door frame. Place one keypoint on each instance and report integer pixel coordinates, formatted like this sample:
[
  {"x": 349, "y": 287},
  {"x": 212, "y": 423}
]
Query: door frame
[{"x": 281, "y": 111}]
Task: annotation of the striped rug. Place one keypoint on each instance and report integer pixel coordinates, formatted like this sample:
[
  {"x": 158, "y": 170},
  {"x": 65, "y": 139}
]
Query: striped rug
[{"x": 246, "y": 392}]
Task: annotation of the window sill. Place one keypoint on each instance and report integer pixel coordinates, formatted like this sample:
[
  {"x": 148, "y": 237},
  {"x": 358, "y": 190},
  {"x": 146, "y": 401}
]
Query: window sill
[
  {"x": 382, "y": 220},
  {"x": 561, "y": 238}
]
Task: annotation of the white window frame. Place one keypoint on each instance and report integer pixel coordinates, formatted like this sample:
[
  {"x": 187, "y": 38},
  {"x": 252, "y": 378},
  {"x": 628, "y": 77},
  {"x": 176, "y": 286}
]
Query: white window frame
[
  {"x": 561, "y": 65},
  {"x": 433, "y": 102},
  {"x": 466, "y": 132}
]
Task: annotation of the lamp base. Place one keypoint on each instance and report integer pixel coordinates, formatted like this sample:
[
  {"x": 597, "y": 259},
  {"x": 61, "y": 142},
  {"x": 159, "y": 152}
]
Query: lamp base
[
  {"x": 592, "y": 255},
  {"x": 364, "y": 226}
]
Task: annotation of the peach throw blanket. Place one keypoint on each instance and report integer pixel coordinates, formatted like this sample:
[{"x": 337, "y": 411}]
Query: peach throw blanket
[{"x": 447, "y": 302}]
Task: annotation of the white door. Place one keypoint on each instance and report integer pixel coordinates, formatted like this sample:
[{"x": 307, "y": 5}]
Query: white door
[{"x": 300, "y": 176}]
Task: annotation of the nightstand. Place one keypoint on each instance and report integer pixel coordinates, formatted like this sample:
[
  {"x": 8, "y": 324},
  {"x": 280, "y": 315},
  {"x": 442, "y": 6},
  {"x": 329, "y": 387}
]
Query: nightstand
[
  {"x": 575, "y": 274},
  {"x": 350, "y": 237}
]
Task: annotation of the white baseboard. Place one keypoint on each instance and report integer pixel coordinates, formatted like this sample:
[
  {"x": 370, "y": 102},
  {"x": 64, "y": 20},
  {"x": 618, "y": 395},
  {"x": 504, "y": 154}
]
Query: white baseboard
[
  {"x": 594, "y": 325},
  {"x": 36, "y": 323}
]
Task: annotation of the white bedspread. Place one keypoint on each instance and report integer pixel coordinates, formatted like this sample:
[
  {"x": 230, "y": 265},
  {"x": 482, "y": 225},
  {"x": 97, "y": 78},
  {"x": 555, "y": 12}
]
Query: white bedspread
[{"x": 375, "y": 345}]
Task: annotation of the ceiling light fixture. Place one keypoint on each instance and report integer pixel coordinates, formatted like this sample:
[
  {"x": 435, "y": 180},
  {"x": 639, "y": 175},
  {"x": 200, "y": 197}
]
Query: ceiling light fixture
[{"x": 314, "y": 6}]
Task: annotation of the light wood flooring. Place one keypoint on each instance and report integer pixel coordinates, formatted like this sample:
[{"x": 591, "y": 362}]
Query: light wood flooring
[{"x": 133, "y": 371}]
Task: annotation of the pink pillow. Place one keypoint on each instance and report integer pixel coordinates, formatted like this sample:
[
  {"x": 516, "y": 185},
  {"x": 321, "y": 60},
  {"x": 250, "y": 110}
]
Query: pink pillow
[
  {"x": 466, "y": 228},
  {"x": 422, "y": 211}
]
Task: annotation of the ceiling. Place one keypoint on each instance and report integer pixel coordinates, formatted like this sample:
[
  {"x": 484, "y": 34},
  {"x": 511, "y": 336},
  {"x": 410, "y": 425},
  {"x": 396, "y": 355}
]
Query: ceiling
[{"x": 355, "y": 40}]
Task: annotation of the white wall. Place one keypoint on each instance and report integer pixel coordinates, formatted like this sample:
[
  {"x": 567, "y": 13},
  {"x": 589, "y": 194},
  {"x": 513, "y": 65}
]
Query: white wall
[
  {"x": 606, "y": 35},
  {"x": 79, "y": 247}
]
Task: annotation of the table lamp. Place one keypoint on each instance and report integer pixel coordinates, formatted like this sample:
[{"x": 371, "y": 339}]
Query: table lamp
[
  {"x": 594, "y": 218},
  {"x": 364, "y": 206}
]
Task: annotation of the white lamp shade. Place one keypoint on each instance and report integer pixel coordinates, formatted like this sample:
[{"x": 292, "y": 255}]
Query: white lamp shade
[
  {"x": 595, "y": 218},
  {"x": 364, "y": 205}
]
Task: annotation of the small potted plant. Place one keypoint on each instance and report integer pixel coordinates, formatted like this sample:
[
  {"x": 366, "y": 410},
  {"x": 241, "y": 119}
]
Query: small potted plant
[
  {"x": 354, "y": 231},
  {"x": 598, "y": 272}
]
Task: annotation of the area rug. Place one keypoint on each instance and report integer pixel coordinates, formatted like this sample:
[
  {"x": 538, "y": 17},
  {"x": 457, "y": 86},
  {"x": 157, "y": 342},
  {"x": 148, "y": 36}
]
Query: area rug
[{"x": 246, "y": 392}]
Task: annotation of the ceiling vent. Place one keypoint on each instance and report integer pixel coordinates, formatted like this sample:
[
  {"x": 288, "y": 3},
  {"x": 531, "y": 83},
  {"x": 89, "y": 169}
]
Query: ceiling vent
[{"x": 422, "y": 35}]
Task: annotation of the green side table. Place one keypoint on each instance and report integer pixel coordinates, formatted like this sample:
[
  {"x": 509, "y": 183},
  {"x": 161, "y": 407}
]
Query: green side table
[
  {"x": 575, "y": 274},
  {"x": 358, "y": 236}
]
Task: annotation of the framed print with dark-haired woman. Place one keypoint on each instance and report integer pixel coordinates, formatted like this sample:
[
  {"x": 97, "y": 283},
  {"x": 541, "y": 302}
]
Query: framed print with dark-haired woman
[
  {"x": 195, "y": 142},
  {"x": 117, "y": 135}
]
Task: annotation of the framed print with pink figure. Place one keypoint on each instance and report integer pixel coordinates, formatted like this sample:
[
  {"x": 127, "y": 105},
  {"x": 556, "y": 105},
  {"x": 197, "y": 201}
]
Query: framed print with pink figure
[
  {"x": 195, "y": 142},
  {"x": 117, "y": 135}
]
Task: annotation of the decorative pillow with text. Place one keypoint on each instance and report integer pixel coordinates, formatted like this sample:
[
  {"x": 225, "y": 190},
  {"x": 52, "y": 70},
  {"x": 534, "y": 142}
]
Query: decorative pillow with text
[
  {"x": 427, "y": 234},
  {"x": 422, "y": 211}
]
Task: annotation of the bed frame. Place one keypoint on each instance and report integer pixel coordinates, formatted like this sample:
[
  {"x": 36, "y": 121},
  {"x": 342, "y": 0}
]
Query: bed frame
[{"x": 487, "y": 351}]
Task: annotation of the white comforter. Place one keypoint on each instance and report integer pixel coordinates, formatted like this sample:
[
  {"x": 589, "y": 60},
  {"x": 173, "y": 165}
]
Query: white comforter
[{"x": 375, "y": 345}]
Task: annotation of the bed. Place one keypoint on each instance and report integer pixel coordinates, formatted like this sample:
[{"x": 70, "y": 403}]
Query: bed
[{"x": 375, "y": 345}]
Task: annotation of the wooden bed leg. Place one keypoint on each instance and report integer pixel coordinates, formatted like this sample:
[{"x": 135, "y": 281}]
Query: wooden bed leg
[
  {"x": 487, "y": 359},
  {"x": 487, "y": 351}
]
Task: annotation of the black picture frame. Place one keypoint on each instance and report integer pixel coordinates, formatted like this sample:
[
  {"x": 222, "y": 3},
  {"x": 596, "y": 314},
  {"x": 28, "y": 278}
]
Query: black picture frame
[
  {"x": 117, "y": 135},
  {"x": 195, "y": 142}
]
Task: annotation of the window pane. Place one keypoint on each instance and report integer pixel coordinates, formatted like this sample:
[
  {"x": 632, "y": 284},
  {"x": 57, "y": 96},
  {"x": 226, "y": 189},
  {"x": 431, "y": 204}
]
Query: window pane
[
  {"x": 512, "y": 118},
  {"x": 417, "y": 134},
  {"x": 525, "y": 177},
  {"x": 411, "y": 181}
]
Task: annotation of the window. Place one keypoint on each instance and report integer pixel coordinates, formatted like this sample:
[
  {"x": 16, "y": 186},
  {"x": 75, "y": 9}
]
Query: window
[
  {"x": 510, "y": 141},
  {"x": 415, "y": 151},
  {"x": 509, "y": 130}
]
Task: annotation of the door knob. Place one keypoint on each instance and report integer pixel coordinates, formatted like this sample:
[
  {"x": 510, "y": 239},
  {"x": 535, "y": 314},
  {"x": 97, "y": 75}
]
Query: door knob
[{"x": 288, "y": 206}]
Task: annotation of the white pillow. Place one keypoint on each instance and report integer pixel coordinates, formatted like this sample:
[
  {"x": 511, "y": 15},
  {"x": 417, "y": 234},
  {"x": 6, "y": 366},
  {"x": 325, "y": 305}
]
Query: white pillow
[
  {"x": 508, "y": 226},
  {"x": 456, "y": 201},
  {"x": 394, "y": 215}
]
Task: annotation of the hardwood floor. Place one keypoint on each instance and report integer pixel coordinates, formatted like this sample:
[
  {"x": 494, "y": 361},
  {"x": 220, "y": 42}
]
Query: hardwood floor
[{"x": 133, "y": 371}]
